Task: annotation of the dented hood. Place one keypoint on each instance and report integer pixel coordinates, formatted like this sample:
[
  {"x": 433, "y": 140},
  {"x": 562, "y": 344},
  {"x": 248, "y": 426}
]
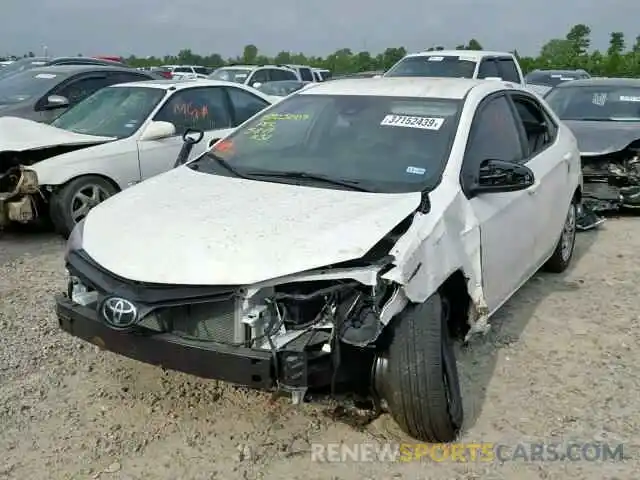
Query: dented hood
[
  {"x": 19, "y": 135},
  {"x": 185, "y": 227},
  {"x": 600, "y": 138}
]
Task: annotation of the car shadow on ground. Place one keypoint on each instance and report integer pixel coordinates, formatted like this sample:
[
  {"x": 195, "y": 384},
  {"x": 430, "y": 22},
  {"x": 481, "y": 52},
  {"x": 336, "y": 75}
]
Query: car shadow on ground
[{"x": 477, "y": 360}]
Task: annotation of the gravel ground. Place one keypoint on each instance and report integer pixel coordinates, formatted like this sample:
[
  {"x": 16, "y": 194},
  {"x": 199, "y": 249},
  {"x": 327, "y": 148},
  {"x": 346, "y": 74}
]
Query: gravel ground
[{"x": 558, "y": 364}]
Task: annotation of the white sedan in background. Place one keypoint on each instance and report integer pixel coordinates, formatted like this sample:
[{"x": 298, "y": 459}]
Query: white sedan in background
[
  {"x": 340, "y": 238},
  {"x": 119, "y": 136}
]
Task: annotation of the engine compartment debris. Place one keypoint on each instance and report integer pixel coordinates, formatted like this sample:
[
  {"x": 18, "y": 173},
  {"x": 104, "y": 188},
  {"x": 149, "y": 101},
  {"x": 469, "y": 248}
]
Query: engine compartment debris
[{"x": 611, "y": 183}]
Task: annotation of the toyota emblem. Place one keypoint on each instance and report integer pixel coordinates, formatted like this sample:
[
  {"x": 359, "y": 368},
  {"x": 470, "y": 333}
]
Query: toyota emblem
[{"x": 119, "y": 313}]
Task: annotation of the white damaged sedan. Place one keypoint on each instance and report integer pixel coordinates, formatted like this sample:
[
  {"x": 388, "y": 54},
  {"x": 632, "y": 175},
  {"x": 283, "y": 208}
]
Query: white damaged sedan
[{"x": 340, "y": 239}]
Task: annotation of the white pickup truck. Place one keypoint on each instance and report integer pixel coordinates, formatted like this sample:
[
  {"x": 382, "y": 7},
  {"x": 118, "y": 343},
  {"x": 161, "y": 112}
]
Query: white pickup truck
[{"x": 459, "y": 64}]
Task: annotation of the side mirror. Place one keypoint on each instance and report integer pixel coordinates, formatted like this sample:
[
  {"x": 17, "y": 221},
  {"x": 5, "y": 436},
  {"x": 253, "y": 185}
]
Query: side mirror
[
  {"x": 190, "y": 137},
  {"x": 256, "y": 85},
  {"x": 56, "y": 101},
  {"x": 158, "y": 130},
  {"x": 497, "y": 176}
]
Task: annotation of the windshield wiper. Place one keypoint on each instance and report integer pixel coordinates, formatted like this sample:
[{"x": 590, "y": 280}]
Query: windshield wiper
[
  {"x": 350, "y": 184},
  {"x": 220, "y": 161}
]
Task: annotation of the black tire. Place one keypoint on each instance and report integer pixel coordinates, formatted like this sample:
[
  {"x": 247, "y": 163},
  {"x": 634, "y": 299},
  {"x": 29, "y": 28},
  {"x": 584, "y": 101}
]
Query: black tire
[
  {"x": 421, "y": 383},
  {"x": 562, "y": 255},
  {"x": 62, "y": 202}
]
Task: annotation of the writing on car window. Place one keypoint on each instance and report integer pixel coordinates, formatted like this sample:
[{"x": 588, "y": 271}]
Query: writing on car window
[
  {"x": 264, "y": 130},
  {"x": 191, "y": 111}
]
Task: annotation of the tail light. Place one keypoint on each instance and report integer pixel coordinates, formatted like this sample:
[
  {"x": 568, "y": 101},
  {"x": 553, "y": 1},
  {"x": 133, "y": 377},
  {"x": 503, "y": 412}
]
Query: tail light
[{"x": 168, "y": 75}]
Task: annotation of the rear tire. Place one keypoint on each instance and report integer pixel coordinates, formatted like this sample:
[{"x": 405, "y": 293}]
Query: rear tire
[
  {"x": 419, "y": 375},
  {"x": 562, "y": 255},
  {"x": 74, "y": 200}
]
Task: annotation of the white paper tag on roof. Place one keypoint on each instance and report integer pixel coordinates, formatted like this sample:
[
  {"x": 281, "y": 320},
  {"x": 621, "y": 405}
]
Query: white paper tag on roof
[
  {"x": 45, "y": 75},
  {"x": 628, "y": 98},
  {"x": 424, "y": 123},
  {"x": 467, "y": 58},
  {"x": 435, "y": 59}
]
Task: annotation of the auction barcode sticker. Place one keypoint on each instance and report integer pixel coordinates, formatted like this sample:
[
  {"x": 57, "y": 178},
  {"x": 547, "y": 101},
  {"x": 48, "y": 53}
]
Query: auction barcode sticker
[{"x": 425, "y": 123}]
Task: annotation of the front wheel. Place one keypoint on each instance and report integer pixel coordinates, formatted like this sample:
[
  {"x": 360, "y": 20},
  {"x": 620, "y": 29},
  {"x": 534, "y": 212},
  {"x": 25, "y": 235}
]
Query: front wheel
[
  {"x": 418, "y": 375},
  {"x": 72, "y": 203}
]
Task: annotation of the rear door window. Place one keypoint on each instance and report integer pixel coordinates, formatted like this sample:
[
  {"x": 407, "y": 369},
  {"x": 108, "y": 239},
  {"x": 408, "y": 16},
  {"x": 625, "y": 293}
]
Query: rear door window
[
  {"x": 306, "y": 74},
  {"x": 508, "y": 70},
  {"x": 488, "y": 68}
]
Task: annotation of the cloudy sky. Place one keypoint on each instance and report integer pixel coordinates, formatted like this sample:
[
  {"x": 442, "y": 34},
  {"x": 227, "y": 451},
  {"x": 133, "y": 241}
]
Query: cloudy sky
[{"x": 158, "y": 27}]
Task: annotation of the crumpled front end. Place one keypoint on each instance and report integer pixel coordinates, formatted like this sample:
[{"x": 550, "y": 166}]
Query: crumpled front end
[
  {"x": 612, "y": 180},
  {"x": 321, "y": 329},
  {"x": 20, "y": 196},
  {"x": 279, "y": 334}
]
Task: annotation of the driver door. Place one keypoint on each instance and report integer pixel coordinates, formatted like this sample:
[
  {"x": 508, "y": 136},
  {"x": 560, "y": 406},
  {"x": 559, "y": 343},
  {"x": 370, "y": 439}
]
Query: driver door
[
  {"x": 202, "y": 108},
  {"x": 506, "y": 219}
]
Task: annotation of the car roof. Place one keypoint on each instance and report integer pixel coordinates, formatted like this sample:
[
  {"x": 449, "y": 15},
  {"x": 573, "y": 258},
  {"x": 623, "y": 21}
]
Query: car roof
[
  {"x": 602, "y": 82},
  {"x": 471, "y": 54},
  {"x": 557, "y": 71},
  {"x": 69, "y": 69},
  {"x": 452, "y": 88},
  {"x": 179, "y": 84},
  {"x": 252, "y": 67},
  {"x": 241, "y": 67}
]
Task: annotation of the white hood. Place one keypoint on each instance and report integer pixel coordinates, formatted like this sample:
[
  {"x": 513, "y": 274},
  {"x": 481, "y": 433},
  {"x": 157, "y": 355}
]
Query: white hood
[
  {"x": 19, "y": 134},
  {"x": 185, "y": 227}
]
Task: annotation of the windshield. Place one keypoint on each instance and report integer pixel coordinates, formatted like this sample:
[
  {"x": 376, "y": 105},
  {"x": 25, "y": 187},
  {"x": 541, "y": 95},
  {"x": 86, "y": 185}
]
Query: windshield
[
  {"x": 26, "y": 85},
  {"x": 282, "y": 88},
  {"x": 550, "y": 79},
  {"x": 111, "y": 112},
  {"x": 605, "y": 103},
  {"x": 382, "y": 144},
  {"x": 237, "y": 75},
  {"x": 20, "y": 66},
  {"x": 433, "y": 66}
]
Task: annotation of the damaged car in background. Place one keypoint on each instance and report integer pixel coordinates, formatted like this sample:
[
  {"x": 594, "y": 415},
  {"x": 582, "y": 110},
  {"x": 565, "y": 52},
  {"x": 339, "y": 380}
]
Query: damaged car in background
[
  {"x": 339, "y": 242},
  {"x": 604, "y": 115},
  {"x": 117, "y": 137}
]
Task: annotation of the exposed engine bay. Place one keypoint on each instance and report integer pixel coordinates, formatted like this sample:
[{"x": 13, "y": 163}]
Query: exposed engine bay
[
  {"x": 319, "y": 332},
  {"x": 612, "y": 181}
]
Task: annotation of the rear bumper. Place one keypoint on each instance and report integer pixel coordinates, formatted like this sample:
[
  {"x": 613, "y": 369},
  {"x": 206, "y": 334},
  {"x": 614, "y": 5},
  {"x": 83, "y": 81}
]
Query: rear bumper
[{"x": 238, "y": 365}]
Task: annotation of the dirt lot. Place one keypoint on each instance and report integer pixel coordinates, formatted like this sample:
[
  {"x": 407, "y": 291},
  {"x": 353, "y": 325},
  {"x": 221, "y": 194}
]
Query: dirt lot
[{"x": 558, "y": 364}]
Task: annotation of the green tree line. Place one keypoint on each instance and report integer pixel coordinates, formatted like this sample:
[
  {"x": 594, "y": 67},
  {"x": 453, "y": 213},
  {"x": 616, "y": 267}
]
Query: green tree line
[{"x": 622, "y": 57}]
